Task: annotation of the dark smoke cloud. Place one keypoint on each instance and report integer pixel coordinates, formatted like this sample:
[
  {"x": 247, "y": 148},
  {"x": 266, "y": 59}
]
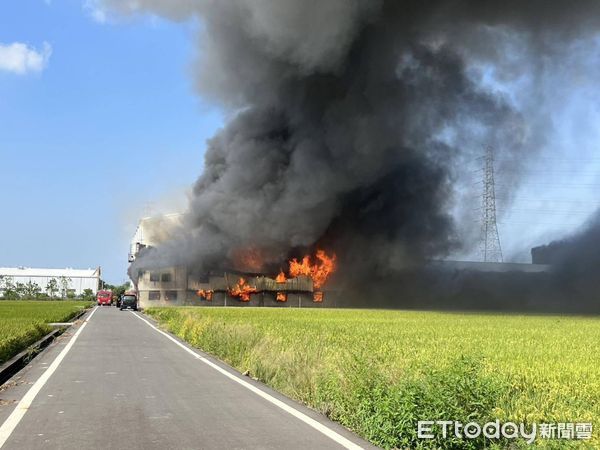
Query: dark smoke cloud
[
  {"x": 576, "y": 262},
  {"x": 351, "y": 121},
  {"x": 570, "y": 285}
]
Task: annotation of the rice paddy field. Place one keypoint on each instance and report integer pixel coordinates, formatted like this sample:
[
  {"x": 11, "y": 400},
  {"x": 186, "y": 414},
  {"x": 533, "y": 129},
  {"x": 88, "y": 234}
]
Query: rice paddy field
[
  {"x": 378, "y": 372},
  {"x": 23, "y": 322}
]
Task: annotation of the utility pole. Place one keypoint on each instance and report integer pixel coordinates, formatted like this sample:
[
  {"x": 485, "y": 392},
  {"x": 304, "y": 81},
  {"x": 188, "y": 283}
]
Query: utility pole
[{"x": 490, "y": 240}]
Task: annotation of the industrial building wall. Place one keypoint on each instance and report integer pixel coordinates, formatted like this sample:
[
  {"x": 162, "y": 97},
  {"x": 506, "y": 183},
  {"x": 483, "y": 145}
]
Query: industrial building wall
[
  {"x": 162, "y": 287},
  {"x": 78, "y": 280},
  {"x": 172, "y": 286},
  {"x": 267, "y": 299}
]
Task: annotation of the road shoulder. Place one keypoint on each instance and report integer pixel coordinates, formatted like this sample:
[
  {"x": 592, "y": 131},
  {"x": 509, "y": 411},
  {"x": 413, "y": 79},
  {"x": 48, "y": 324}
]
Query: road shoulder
[{"x": 293, "y": 404}]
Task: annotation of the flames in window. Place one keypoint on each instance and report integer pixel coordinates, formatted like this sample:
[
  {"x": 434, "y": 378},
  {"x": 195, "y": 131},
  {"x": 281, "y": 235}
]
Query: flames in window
[
  {"x": 205, "y": 294},
  {"x": 242, "y": 290}
]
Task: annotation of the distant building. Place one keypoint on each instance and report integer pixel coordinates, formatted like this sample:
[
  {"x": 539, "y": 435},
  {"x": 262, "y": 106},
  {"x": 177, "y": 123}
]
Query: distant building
[
  {"x": 551, "y": 253},
  {"x": 480, "y": 266},
  {"x": 77, "y": 280}
]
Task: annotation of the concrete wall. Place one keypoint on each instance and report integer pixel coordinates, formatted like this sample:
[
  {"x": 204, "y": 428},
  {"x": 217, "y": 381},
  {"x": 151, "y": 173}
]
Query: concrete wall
[{"x": 163, "y": 287}]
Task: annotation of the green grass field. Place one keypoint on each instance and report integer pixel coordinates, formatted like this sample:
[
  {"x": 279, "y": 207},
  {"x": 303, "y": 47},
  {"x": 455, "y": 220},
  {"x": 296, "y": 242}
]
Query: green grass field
[
  {"x": 24, "y": 322},
  {"x": 379, "y": 372}
]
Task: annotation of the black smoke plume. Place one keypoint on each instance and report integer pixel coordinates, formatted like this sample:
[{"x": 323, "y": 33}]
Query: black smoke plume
[{"x": 351, "y": 121}]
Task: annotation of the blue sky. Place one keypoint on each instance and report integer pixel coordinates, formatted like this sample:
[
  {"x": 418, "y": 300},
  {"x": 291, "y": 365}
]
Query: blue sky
[
  {"x": 108, "y": 129},
  {"x": 100, "y": 125}
]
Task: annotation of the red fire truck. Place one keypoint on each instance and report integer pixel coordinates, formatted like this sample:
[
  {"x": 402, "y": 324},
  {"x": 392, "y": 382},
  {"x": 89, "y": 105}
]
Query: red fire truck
[{"x": 104, "y": 298}]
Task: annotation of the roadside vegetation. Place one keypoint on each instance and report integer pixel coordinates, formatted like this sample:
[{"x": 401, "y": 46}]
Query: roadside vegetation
[
  {"x": 23, "y": 322},
  {"x": 379, "y": 372}
]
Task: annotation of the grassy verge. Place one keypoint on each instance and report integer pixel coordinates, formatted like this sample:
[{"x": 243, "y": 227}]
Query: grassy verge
[
  {"x": 379, "y": 372},
  {"x": 24, "y": 322}
]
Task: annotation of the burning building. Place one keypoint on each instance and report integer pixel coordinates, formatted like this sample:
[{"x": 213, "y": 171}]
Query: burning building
[
  {"x": 180, "y": 286},
  {"x": 231, "y": 288},
  {"x": 302, "y": 284},
  {"x": 350, "y": 125}
]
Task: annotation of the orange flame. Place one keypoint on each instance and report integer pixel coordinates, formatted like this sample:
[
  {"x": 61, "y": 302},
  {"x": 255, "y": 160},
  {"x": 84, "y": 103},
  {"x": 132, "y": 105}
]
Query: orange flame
[
  {"x": 242, "y": 290},
  {"x": 206, "y": 295},
  {"x": 281, "y": 277},
  {"x": 281, "y": 297},
  {"x": 319, "y": 271},
  {"x": 300, "y": 268},
  {"x": 318, "y": 297}
]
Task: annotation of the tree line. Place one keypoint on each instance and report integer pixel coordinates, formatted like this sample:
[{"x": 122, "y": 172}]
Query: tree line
[{"x": 56, "y": 288}]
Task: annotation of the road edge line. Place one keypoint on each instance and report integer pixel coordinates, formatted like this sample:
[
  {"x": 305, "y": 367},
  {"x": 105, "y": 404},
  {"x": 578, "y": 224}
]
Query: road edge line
[
  {"x": 11, "y": 422},
  {"x": 331, "y": 434}
]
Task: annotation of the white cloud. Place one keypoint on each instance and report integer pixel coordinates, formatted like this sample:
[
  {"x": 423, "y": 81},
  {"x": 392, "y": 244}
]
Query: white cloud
[
  {"x": 95, "y": 11},
  {"x": 20, "y": 58}
]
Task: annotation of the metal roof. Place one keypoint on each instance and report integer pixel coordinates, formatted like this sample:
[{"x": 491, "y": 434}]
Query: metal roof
[{"x": 31, "y": 272}]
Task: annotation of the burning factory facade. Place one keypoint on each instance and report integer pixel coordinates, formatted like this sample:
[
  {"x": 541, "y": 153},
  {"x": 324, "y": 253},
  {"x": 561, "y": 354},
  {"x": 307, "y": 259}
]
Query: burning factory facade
[
  {"x": 303, "y": 286},
  {"x": 303, "y": 282}
]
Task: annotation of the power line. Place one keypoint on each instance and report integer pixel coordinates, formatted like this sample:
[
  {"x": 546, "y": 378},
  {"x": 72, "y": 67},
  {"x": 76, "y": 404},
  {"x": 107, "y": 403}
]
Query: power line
[
  {"x": 537, "y": 222},
  {"x": 556, "y": 185},
  {"x": 541, "y": 199},
  {"x": 543, "y": 211}
]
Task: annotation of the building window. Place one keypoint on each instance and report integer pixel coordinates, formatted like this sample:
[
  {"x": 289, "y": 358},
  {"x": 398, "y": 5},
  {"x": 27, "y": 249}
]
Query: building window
[
  {"x": 170, "y": 296},
  {"x": 154, "y": 276},
  {"x": 165, "y": 277},
  {"x": 141, "y": 273},
  {"x": 153, "y": 295}
]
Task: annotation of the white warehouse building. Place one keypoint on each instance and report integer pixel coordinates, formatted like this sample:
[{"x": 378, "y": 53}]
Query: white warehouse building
[{"x": 78, "y": 280}]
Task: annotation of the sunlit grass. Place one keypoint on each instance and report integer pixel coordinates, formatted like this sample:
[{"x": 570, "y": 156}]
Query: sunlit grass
[
  {"x": 378, "y": 372},
  {"x": 24, "y": 322}
]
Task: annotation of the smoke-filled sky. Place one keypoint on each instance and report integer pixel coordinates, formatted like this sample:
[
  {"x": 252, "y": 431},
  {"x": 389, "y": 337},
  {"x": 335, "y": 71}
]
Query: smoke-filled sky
[{"x": 330, "y": 106}]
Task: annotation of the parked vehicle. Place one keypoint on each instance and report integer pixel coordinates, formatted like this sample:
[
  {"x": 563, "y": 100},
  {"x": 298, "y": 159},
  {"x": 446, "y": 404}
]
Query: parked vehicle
[
  {"x": 129, "y": 300},
  {"x": 104, "y": 298}
]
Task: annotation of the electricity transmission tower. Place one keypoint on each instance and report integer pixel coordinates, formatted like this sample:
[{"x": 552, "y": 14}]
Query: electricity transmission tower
[{"x": 490, "y": 240}]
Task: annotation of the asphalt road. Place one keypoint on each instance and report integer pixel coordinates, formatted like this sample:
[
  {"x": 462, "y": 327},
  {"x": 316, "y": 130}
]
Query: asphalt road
[{"x": 123, "y": 384}]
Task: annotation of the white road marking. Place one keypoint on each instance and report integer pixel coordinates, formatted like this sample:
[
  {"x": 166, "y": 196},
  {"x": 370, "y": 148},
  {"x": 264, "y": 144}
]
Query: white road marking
[
  {"x": 346, "y": 443},
  {"x": 15, "y": 417}
]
